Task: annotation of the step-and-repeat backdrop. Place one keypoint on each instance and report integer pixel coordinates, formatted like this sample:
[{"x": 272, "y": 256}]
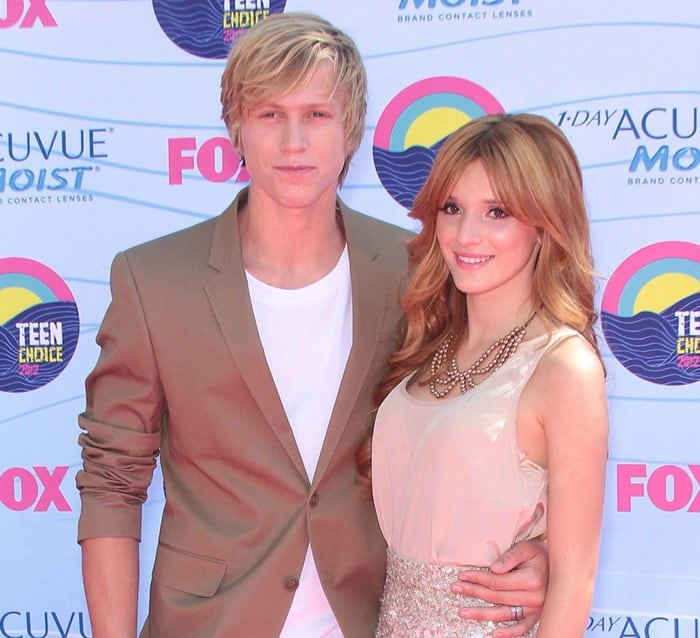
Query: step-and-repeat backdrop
[{"x": 110, "y": 135}]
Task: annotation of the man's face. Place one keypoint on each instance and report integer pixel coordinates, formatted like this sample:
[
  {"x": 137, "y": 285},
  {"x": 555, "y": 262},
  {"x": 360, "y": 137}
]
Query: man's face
[{"x": 295, "y": 146}]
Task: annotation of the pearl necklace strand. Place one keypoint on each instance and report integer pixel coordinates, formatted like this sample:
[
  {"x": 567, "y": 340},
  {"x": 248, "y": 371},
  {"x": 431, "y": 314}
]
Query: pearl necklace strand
[{"x": 502, "y": 349}]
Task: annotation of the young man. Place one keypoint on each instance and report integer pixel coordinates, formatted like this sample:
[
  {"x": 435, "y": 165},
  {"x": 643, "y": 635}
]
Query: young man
[{"x": 245, "y": 351}]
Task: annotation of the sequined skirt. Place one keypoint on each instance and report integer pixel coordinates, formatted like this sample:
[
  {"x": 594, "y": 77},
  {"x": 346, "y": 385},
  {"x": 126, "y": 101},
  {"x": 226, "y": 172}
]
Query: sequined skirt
[{"x": 418, "y": 603}]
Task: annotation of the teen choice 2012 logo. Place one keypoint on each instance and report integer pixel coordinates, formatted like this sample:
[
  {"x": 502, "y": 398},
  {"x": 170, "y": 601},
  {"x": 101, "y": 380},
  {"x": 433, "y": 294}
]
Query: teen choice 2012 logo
[
  {"x": 208, "y": 28},
  {"x": 650, "y": 313},
  {"x": 39, "y": 325},
  {"x": 414, "y": 125}
]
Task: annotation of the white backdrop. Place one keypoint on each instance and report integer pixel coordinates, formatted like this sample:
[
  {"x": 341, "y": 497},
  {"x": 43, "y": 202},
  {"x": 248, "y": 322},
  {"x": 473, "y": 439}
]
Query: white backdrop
[{"x": 109, "y": 119}]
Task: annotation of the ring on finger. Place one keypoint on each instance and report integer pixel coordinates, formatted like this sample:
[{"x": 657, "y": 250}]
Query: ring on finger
[{"x": 516, "y": 613}]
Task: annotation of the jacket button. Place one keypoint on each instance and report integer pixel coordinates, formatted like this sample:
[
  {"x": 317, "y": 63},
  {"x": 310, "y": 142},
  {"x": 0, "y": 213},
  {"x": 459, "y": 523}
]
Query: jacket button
[
  {"x": 291, "y": 583},
  {"x": 313, "y": 501}
]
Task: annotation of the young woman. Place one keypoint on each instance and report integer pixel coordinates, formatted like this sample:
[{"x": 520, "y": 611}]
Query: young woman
[{"x": 493, "y": 422}]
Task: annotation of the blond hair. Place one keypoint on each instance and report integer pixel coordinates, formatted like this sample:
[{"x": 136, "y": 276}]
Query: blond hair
[{"x": 279, "y": 55}]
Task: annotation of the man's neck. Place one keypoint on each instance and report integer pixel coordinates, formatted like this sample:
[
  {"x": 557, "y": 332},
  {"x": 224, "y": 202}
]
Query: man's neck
[{"x": 290, "y": 248}]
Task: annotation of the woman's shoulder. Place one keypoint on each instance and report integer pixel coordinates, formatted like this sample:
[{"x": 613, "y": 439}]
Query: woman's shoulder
[
  {"x": 567, "y": 392},
  {"x": 570, "y": 365}
]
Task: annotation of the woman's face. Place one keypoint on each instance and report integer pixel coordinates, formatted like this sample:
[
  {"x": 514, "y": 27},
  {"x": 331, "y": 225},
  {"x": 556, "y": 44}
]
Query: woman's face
[{"x": 488, "y": 251}]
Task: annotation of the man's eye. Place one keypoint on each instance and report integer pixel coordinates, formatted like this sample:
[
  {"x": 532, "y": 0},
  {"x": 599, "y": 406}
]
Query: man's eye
[{"x": 497, "y": 213}]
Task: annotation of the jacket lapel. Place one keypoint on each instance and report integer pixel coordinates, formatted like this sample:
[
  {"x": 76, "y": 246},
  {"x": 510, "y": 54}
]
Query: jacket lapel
[
  {"x": 370, "y": 288},
  {"x": 228, "y": 294}
]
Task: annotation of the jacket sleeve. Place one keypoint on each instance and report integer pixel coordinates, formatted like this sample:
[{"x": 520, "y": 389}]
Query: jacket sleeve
[{"x": 121, "y": 423}]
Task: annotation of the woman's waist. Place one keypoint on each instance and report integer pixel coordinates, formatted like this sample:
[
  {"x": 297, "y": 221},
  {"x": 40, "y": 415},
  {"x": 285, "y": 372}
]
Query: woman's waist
[
  {"x": 418, "y": 601},
  {"x": 448, "y": 568}
]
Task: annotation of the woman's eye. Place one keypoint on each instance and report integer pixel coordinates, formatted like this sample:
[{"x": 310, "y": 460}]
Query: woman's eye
[{"x": 450, "y": 208}]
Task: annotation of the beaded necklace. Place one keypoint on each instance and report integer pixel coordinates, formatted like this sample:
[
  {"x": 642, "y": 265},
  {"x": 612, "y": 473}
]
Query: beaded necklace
[{"x": 501, "y": 349}]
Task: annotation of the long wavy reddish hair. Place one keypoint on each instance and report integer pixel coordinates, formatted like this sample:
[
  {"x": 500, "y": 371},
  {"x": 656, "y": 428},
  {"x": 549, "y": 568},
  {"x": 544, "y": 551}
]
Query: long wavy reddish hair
[{"x": 535, "y": 175}]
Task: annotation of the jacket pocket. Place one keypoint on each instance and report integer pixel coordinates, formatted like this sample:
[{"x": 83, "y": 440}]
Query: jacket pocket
[{"x": 198, "y": 575}]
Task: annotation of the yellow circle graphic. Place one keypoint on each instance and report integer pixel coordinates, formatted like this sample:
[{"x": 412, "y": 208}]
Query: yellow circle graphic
[
  {"x": 13, "y": 300},
  {"x": 433, "y": 125},
  {"x": 664, "y": 290}
]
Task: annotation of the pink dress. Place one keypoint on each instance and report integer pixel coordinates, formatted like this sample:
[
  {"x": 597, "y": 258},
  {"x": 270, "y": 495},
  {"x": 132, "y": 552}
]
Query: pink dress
[{"x": 453, "y": 490}]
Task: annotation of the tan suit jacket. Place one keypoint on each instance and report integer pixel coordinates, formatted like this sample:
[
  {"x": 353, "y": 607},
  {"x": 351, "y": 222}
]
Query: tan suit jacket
[{"x": 182, "y": 374}]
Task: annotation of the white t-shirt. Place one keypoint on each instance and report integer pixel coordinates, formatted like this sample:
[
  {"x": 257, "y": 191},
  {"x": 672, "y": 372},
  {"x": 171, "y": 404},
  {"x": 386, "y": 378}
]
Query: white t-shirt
[{"x": 306, "y": 334}]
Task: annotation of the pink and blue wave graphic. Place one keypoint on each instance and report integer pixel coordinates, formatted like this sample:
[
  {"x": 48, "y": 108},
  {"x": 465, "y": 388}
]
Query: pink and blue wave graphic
[
  {"x": 10, "y": 378},
  {"x": 32, "y": 298},
  {"x": 651, "y": 338},
  {"x": 198, "y": 27},
  {"x": 415, "y": 124}
]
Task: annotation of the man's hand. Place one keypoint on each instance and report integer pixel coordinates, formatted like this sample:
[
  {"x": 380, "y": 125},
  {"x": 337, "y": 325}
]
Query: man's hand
[{"x": 518, "y": 578}]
